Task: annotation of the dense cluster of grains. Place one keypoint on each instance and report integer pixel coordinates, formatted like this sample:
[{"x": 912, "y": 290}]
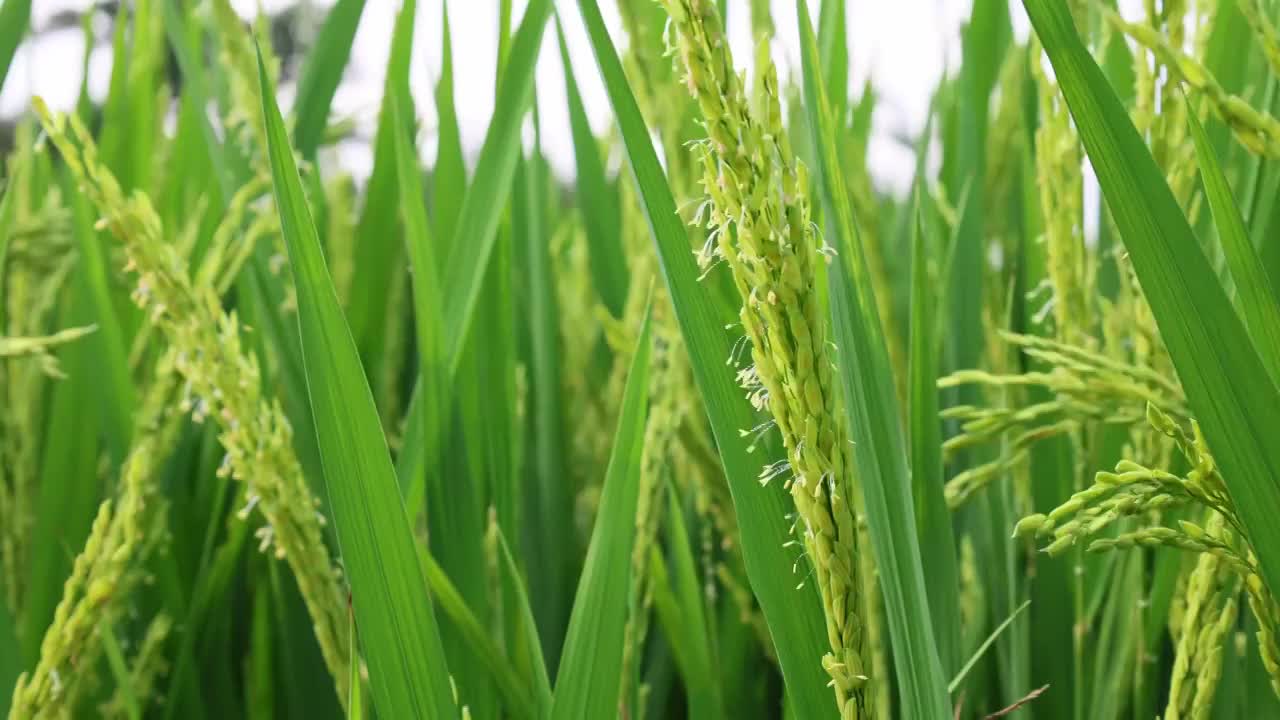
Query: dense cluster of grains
[
  {"x": 105, "y": 574},
  {"x": 759, "y": 224},
  {"x": 222, "y": 382}
]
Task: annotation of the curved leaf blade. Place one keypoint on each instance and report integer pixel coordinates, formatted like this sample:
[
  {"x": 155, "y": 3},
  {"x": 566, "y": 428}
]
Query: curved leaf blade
[
  {"x": 1257, "y": 295},
  {"x": 591, "y": 663}
]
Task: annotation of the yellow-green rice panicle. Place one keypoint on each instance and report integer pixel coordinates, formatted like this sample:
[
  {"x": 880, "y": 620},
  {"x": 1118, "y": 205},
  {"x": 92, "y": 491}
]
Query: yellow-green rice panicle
[
  {"x": 1195, "y": 664},
  {"x": 1061, "y": 184},
  {"x": 103, "y": 577},
  {"x": 759, "y": 224},
  {"x": 1257, "y": 130},
  {"x": 1256, "y": 16},
  {"x": 223, "y": 382},
  {"x": 659, "y": 436},
  {"x": 238, "y": 55}
]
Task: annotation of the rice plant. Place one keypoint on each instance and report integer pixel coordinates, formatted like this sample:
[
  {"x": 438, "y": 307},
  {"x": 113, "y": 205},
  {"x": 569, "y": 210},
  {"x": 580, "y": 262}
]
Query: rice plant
[{"x": 715, "y": 426}]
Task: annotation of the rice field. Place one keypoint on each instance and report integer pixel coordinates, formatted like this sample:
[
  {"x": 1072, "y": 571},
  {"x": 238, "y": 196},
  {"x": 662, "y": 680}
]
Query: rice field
[{"x": 719, "y": 427}]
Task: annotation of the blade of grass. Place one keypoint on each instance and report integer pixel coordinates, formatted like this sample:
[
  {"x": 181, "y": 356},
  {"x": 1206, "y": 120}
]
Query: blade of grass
[
  {"x": 982, "y": 649},
  {"x": 874, "y": 421},
  {"x": 515, "y": 694},
  {"x": 933, "y": 519},
  {"x": 120, "y": 395},
  {"x": 491, "y": 187},
  {"x": 321, "y": 72},
  {"x": 591, "y": 664},
  {"x": 551, "y": 497},
  {"x": 476, "y": 232},
  {"x": 794, "y": 616},
  {"x": 450, "y": 174},
  {"x": 378, "y": 249},
  {"x": 599, "y": 206},
  {"x": 407, "y": 667},
  {"x": 834, "y": 45},
  {"x": 1257, "y": 304},
  {"x": 1227, "y": 385},
  {"x": 15, "y": 16},
  {"x": 119, "y": 670},
  {"x": 433, "y": 409},
  {"x": 528, "y": 642},
  {"x": 8, "y": 211}
]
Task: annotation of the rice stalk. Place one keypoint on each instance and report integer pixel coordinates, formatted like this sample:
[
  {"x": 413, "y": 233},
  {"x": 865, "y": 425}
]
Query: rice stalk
[{"x": 758, "y": 220}]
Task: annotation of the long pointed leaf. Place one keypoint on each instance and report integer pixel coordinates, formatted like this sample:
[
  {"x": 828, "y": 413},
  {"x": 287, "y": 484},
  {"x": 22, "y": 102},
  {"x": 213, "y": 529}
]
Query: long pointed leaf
[
  {"x": 433, "y": 409},
  {"x": 1258, "y": 299},
  {"x": 322, "y": 71},
  {"x": 491, "y": 187},
  {"x": 591, "y": 664},
  {"x": 14, "y": 18},
  {"x": 598, "y": 201},
  {"x": 933, "y": 518},
  {"x": 450, "y": 172},
  {"x": 393, "y": 610}
]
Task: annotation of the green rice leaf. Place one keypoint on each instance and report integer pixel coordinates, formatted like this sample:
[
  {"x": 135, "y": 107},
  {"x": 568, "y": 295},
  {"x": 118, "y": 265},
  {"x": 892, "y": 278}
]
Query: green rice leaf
[
  {"x": 514, "y": 693},
  {"x": 550, "y": 495},
  {"x": 933, "y": 519},
  {"x": 321, "y": 73},
  {"x": 833, "y": 43},
  {"x": 15, "y": 15},
  {"x": 434, "y": 407},
  {"x": 8, "y": 210},
  {"x": 599, "y": 204},
  {"x": 407, "y": 670},
  {"x": 378, "y": 249},
  {"x": 69, "y": 488},
  {"x": 794, "y": 616},
  {"x": 982, "y": 649},
  {"x": 528, "y": 644},
  {"x": 591, "y": 663},
  {"x": 1257, "y": 296},
  {"x": 450, "y": 173},
  {"x": 491, "y": 187},
  {"x": 1227, "y": 385},
  {"x": 880, "y": 457},
  {"x": 120, "y": 395}
]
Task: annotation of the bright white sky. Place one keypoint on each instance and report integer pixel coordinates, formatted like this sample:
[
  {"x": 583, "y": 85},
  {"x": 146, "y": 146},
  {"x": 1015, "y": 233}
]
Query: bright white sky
[{"x": 904, "y": 45}]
